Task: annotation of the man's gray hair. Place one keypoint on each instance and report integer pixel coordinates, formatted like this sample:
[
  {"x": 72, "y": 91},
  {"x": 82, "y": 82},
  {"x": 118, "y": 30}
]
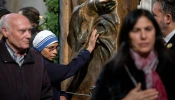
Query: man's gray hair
[{"x": 4, "y": 23}]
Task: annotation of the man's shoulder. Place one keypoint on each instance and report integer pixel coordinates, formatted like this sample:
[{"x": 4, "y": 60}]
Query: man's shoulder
[
  {"x": 35, "y": 57},
  {"x": 172, "y": 39},
  {"x": 171, "y": 42},
  {"x": 34, "y": 53}
]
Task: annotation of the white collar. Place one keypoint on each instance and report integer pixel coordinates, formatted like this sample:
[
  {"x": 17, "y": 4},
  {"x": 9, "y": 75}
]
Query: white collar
[{"x": 169, "y": 36}]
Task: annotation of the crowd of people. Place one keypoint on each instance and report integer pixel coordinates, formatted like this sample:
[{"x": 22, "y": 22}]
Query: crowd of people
[{"x": 141, "y": 69}]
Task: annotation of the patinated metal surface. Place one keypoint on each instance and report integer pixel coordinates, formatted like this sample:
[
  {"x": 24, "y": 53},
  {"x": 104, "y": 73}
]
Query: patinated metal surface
[{"x": 84, "y": 18}]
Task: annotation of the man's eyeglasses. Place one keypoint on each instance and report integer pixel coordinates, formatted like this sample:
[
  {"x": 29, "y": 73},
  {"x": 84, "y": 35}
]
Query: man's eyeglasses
[{"x": 51, "y": 48}]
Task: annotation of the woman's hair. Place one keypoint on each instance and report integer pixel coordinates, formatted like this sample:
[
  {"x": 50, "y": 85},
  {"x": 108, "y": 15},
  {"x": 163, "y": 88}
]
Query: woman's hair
[{"x": 128, "y": 24}]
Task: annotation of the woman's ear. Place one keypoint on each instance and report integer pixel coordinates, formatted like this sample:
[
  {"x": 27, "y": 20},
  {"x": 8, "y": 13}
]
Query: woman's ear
[{"x": 168, "y": 18}]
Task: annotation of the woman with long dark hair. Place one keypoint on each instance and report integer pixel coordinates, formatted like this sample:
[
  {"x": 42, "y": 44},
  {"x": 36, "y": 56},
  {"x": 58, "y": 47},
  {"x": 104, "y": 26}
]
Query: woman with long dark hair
[{"x": 142, "y": 68}]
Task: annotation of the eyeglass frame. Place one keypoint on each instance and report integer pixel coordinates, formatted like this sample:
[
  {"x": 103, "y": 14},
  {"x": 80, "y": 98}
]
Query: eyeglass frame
[{"x": 52, "y": 48}]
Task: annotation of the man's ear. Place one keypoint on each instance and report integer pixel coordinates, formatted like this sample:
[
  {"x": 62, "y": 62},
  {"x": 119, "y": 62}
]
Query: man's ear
[
  {"x": 4, "y": 32},
  {"x": 168, "y": 18}
]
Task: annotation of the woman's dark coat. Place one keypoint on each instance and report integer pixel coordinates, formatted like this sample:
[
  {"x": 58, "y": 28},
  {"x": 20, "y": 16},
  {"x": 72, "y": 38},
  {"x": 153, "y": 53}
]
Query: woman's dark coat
[
  {"x": 58, "y": 72},
  {"x": 115, "y": 84}
]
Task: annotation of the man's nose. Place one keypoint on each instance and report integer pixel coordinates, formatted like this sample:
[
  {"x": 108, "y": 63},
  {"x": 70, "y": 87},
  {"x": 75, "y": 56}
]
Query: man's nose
[{"x": 28, "y": 34}]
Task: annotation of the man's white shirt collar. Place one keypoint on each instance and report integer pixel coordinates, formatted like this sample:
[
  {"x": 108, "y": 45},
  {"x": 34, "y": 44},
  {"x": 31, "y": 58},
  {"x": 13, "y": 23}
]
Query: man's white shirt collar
[{"x": 169, "y": 36}]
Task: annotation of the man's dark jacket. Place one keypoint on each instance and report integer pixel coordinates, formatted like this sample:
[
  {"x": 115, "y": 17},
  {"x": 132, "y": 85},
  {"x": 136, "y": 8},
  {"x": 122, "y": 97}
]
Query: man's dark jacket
[
  {"x": 58, "y": 72},
  {"x": 171, "y": 43},
  {"x": 30, "y": 82}
]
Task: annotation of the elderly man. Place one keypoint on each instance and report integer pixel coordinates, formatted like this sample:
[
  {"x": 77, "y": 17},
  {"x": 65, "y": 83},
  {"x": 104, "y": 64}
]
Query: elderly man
[{"x": 22, "y": 74}]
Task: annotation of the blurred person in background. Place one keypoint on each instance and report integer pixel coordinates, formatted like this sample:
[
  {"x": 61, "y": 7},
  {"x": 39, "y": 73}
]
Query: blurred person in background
[
  {"x": 34, "y": 17},
  {"x": 164, "y": 13}
]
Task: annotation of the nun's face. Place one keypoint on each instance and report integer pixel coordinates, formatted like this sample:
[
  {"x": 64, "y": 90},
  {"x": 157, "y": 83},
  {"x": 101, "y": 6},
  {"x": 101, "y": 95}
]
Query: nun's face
[
  {"x": 50, "y": 51},
  {"x": 142, "y": 36}
]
